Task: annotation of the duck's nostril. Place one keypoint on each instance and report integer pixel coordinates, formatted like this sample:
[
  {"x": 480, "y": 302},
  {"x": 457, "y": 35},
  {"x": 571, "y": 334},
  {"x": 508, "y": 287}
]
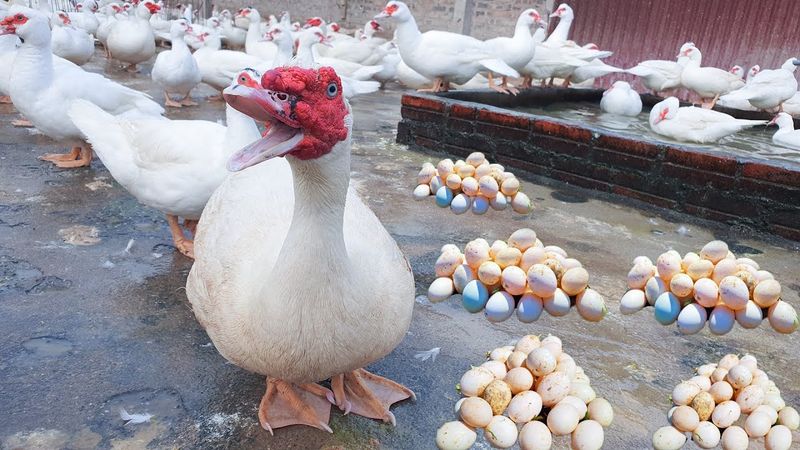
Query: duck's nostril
[{"x": 283, "y": 97}]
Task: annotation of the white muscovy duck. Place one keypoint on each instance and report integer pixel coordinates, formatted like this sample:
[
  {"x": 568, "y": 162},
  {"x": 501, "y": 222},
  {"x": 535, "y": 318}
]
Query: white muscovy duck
[
  {"x": 691, "y": 124},
  {"x": 351, "y": 86},
  {"x": 171, "y": 165},
  {"x": 8, "y": 51},
  {"x": 584, "y": 76},
  {"x": 176, "y": 70},
  {"x": 113, "y": 13},
  {"x": 233, "y": 36},
  {"x": 707, "y": 82},
  {"x": 738, "y": 71},
  {"x": 359, "y": 50},
  {"x": 621, "y": 99},
  {"x": 786, "y": 135},
  {"x": 219, "y": 67},
  {"x": 551, "y": 62},
  {"x": 516, "y": 51},
  {"x": 289, "y": 262},
  {"x": 213, "y": 25},
  {"x": 254, "y": 44},
  {"x": 44, "y": 94},
  {"x": 560, "y": 34},
  {"x": 69, "y": 42},
  {"x": 282, "y": 38},
  {"x": 660, "y": 75},
  {"x": 735, "y": 99},
  {"x": 439, "y": 55},
  {"x": 132, "y": 40},
  {"x": 160, "y": 24},
  {"x": 84, "y": 16},
  {"x": 768, "y": 89}
]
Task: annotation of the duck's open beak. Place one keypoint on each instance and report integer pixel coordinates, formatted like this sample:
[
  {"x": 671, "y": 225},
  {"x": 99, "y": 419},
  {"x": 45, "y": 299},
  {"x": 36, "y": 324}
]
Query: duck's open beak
[{"x": 276, "y": 108}]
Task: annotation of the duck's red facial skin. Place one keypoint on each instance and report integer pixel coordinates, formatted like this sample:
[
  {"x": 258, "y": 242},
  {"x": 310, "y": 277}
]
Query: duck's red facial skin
[
  {"x": 10, "y": 23},
  {"x": 152, "y": 7},
  {"x": 335, "y": 27},
  {"x": 314, "y": 22},
  {"x": 390, "y": 9},
  {"x": 246, "y": 80},
  {"x": 315, "y": 104}
]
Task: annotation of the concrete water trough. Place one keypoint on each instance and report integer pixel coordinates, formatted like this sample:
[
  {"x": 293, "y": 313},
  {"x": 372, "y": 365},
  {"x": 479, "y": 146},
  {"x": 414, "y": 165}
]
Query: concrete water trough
[{"x": 554, "y": 133}]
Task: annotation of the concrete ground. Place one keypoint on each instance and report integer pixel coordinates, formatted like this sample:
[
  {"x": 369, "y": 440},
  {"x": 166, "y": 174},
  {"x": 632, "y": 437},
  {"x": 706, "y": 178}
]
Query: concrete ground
[{"x": 94, "y": 316}]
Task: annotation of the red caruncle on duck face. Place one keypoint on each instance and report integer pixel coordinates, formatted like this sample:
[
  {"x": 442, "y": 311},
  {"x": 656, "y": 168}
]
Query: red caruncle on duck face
[{"x": 11, "y": 23}]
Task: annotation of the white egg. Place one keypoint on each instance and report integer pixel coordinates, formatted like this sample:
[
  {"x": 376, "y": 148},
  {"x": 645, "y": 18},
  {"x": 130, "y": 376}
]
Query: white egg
[
  {"x": 528, "y": 343},
  {"x": 735, "y": 438},
  {"x": 509, "y": 186},
  {"x": 750, "y": 316},
  {"x": 441, "y": 289},
  {"x": 714, "y": 251},
  {"x": 501, "y": 353},
  {"x": 721, "y": 320},
  {"x": 643, "y": 260},
  {"x": 460, "y": 204},
  {"x": 445, "y": 167},
  {"x": 501, "y": 432},
  {"x": 475, "y": 159},
  {"x": 766, "y": 293},
  {"x": 703, "y": 382},
  {"x": 750, "y": 398},
  {"x": 516, "y": 359},
  {"x": 562, "y": 420},
  {"x": 455, "y": 436},
  {"x": 668, "y": 438},
  {"x": 542, "y": 280},
  {"x": 588, "y": 435},
  {"x": 706, "y": 292},
  {"x": 553, "y": 387},
  {"x": 554, "y": 344},
  {"x": 498, "y": 202},
  {"x": 475, "y": 380},
  {"x": 558, "y": 304},
  {"x": 600, "y": 410},
  {"x": 774, "y": 400},
  {"x": 519, "y": 379},
  {"x": 498, "y": 368},
  {"x": 535, "y": 436},
  {"x": 514, "y": 280},
  {"x": 574, "y": 280},
  {"x": 700, "y": 269},
  {"x": 684, "y": 393},
  {"x": 692, "y": 319},
  {"x": 421, "y": 192},
  {"x": 721, "y": 391},
  {"x": 668, "y": 265},
  {"x": 726, "y": 413},
  {"x": 789, "y": 417},
  {"x": 499, "y": 307},
  {"x": 466, "y": 171},
  {"x": 583, "y": 391},
  {"x": 783, "y": 317},
  {"x": 529, "y": 308},
  {"x": 591, "y": 306},
  {"x": 487, "y": 187},
  {"x": 461, "y": 276},
  {"x": 705, "y": 370},
  {"x": 476, "y": 253},
  {"x": 453, "y": 181},
  {"x": 520, "y": 203},
  {"x": 483, "y": 170},
  {"x": 480, "y": 205},
  {"x": 576, "y": 403},
  {"x": 757, "y": 425},
  {"x": 654, "y": 287},
  {"x": 734, "y": 292},
  {"x": 540, "y": 362},
  {"x": 632, "y": 302},
  {"x": 778, "y": 438},
  {"x": 722, "y": 269},
  {"x": 475, "y": 412},
  {"x": 750, "y": 362},
  {"x": 524, "y": 406},
  {"x": 739, "y": 377},
  {"x": 489, "y": 273},
  {"x": 447, "y": 263},
  {"x": 718, "y": 374},
  {"x": 706, "y": 435},
  {"x": 496, "y": 247},
  {"x": 532, "y": 256},
  {"x": 685, "y": 419},
  {"x": 522, "y": 239},
  {"x": 769, "y": 411},
  {"x": 567, "y": 365},
  {"x": 748, "y": 262},
  {"x": 509, "y": 256}
]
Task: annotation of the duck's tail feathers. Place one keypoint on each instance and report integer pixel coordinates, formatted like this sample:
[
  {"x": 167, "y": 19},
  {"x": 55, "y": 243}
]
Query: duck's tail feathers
[{"x": 107, "y": 135}]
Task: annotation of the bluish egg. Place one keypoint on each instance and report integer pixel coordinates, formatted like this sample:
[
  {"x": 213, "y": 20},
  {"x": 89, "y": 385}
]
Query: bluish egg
[
  {"x": 480, "y": 205},
  {"x": 475, "y": 296},
  {"x": 499, "y": 307},
  {"x": 667, "y": 307},
  {"x": 529, "y": 308},
  {"x": 444, "y": 196}
]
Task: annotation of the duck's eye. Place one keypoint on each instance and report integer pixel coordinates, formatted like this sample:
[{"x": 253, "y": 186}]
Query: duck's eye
[
  {"x": 243, "y": 78},
  {"x": 332, "y": 90},
  {"x": 20, "y": 17}
]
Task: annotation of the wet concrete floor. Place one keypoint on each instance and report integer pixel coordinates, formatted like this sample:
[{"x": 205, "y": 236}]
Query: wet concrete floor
[{"x": 94, "y": 318}]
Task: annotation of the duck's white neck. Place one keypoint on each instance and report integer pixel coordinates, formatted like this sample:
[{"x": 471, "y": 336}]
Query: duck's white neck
[
  {"x": 407, "y": 34},
  {"x": 522, "y": 32},
  {"x": 179, "y": 44},
  {"x": 254, "y": 28},
  {"x": 240, "y": 130},
  {"x": 305, "y": 55},
  {"x": 785, "y": 125},
  {"x": 32, "y": 71},
  {"x": 561, "y": 33},
  {"x": 284, "y": 55},
  {"x": 314, "y": 246}
]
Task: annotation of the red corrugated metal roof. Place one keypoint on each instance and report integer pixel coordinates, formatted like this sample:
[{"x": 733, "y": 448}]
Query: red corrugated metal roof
[{"x": 727, "y": 32}]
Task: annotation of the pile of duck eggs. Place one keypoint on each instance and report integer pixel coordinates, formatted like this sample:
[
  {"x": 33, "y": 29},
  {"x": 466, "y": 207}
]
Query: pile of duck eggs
[
  {"x": 728, "y": 403},
  {"x": 527, "y": 392},
  {"x": 474, "y": 185},
  {"x": 520, "y": 274},
  {"x": 713, "y": 287}
]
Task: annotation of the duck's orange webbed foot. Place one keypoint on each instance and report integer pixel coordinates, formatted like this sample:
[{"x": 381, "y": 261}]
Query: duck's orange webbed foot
[
  {"x": 285, "y": 404},
  {"x": 368, "y": 395}
]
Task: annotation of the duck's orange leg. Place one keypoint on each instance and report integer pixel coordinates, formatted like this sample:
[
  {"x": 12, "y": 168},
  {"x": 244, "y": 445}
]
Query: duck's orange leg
[
  {"x": 368, "y": 395},
  {"x": 77, "y": 157},
  {"x": 185, "y": 246},
  {"x": 22, "y": 123},
  {"x": 5, "y": 99},
  {"x": 285, "y": 404}
]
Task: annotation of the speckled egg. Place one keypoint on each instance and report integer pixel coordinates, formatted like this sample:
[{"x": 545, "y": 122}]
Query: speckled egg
[
  {"x": 441, "y": 289},
  {"x": 529, "y": 308},
  {"x": 520, "y": 203},
  {"x": 469, "y": 186},
  {"x": 706, "y": 292},
  {"x": 455, "y": 436},
  {"x": 668, "y": 265},
  {"x": 487, "y": 187},
  {"x": 783, "y": 317},
  {"x": 766, "y": 293},
  {"x": 700, "y": 269},
  {"x": 667, "y": 308},
  {"x": 446, "y": 264},
  {"x": 476, "y": 253},
  {"x": 721, "y": 320},
  {"x": 734, "y": 293},
  {"x": 480, "y": 205},
  {"x": 499, "y": 307},
  {"x": 668, "y": 438},
  {"x": 590, "y": 305},
  {"x": 498, "y": 394},
  {"x": 535, "y": 436},
  {"x": 692, "y": 318},
  {"x": 750, "y": 316},
  {"x": 474, "y": 296},
  {"x": 558, "y": 304},
  {"x": 553, "y": 387},
  {"x": 445, "y": 167},
  {"x": 490, "y": 273},
  {"x": 514, "y": 280},
  {"x": 706, "y": 435},
  {"x": 714, "y": 251},
  {"x": 466, "y": 171},
  {"x": 681, "y": 285},
  {"x": 574, "y": 281},
  {"x": 633, "y": 301},
  {"x": 703, "y": 403},
  {"x": 542, "y": 280},
  {"x": 750, "y": 398},
  {"x": 525, "y": 405}
]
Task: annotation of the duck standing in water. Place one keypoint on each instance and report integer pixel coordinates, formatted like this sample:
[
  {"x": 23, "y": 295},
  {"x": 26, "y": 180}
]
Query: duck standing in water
[{"x": 295, "y": 278}]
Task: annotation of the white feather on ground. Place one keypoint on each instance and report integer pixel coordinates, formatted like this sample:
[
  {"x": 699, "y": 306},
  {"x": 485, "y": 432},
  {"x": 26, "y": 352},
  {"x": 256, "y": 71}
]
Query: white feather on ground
[
  {"x": 134, "y": 419},
  {"x": 428, "y": 354}
]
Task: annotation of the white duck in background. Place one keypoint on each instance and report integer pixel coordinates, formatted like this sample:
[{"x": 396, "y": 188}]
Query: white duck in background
[
  {"x": 707, "y": 82},
  {"x": 441, "y": 56},
  {"x": 176, "y": 70},
  {"x": 560, "y": 34},
  {"x": 786, "y": 135},
  {"x": 132, "y": 40},
  {"x": 8, "y": 51},
  {"x": 355, "y": 50},
  {"x": 289, "y": 262},
  {"x": 233, "y": 36},
  {"x": 691, "y": 124},
  {"x": 171, "y": 165},
  {"x": 621, "y": 99},
  {"x": 84, "y": 17},
  {"x": 516, "y": 51},
  {"x": 113, "y": 13},
  {"x": 254, "y": 44},
  {"x": 69, "y": 42},
  {"x": 161, "y": 24},
  {"x": 218, "y": 68},
  {"x": 44, "y": 95},
  {"x": 735, "y": 99},
  {"x": 768, "y": 89},
  {"x": 738, "y": 71},
  {"x": 282, "y": 38},
  {"x": 660, "y": 75}
]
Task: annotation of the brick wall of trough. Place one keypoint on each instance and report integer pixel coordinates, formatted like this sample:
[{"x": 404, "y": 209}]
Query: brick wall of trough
[{"x": 722, "y": 188}]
